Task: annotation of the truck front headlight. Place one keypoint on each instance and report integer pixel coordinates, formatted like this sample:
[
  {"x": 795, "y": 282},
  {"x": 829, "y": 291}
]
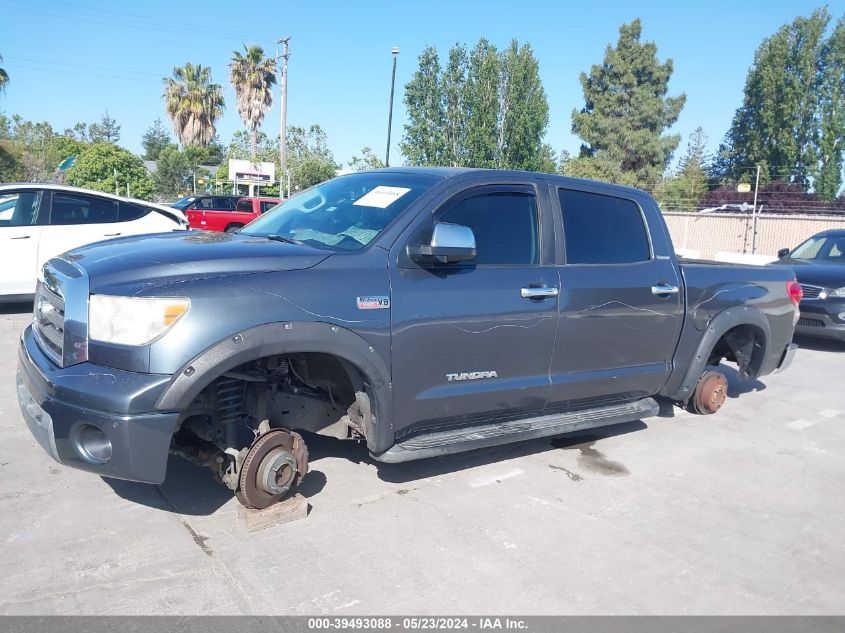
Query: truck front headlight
[
  {"x": 839, "y": 292},
  {"x": 133, "y": 320}
]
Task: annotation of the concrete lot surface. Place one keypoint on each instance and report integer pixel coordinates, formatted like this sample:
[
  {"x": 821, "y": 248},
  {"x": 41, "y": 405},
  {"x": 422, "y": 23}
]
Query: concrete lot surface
[{"x": 737, "y": 513}]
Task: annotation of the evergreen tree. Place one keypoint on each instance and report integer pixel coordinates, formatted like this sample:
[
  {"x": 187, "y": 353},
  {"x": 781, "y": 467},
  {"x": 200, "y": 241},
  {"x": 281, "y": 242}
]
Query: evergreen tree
[
  {"x": 424, "y": 141},
  {"x": 485, "y": 109},
  {"x": 106, "y": 130},
  {"x": 684, "y": 190},
  {"x": 627, "y": 111},
  {"x": 525, "y": 111},
  {"x": 173, "y": 175},
  {"x": 832, "y": 114},
  {"x": 776, "y": 125},
  {"x": 155, "y": 139},
  {"x": 454, "y": 94},
  {"x": 481, "y": 138}
]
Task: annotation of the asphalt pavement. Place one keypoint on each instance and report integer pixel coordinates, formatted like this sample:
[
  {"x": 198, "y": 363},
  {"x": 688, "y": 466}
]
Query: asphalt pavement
[{"x": 736, "y": 513}]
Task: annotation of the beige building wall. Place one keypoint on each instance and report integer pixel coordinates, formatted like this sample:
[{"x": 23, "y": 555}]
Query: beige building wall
[{"x": 713, "y": 233}]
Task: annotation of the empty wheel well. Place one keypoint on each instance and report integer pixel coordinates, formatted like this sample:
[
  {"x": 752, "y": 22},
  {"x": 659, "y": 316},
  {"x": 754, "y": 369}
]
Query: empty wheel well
[
  {"x": 744, "y": 345},
  {"x": 309, "y": 391}
]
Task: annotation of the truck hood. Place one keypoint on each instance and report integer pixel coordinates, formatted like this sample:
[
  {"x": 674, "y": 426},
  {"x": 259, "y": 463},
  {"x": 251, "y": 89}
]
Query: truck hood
[
  {"x": 161, "y": 259},
  {"x": 825, "y": 274}
]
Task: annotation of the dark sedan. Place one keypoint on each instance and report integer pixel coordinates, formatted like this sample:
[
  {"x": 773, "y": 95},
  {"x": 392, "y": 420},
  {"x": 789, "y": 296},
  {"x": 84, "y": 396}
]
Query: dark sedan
[{"x": 819, "y": 265}]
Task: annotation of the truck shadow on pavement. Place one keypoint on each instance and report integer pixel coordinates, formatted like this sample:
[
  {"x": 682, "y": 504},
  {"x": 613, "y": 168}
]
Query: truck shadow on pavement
[
  {"x": 737, "y": 387},
  {"x": 191, "y": 490},
  {"x": 320, "y": 447}
]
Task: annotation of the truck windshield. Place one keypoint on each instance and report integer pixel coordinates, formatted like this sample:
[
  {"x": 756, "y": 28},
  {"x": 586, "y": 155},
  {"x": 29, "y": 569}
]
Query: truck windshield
[
  {"x": 182, "y": 203},
  {"x": 344, "y": 213}
]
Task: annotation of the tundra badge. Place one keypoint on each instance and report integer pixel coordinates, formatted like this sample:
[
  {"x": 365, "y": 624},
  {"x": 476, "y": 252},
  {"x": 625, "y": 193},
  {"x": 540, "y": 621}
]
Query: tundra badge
[{"x": 471, "y": 375}]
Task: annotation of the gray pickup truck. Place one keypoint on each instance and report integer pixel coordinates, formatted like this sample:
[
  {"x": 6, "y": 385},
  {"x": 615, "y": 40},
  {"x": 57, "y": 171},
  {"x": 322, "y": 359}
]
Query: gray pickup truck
[{"x": 423, "y": 311}]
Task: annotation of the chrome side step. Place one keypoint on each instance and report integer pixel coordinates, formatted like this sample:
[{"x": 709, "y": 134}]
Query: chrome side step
[{"x": 483, "y": 435}]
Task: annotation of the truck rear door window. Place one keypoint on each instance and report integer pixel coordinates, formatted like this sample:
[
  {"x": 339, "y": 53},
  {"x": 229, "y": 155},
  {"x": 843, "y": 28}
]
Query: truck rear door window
[
  {"x": 600, "y": 229},
  {"x": 224, "y": 204}
]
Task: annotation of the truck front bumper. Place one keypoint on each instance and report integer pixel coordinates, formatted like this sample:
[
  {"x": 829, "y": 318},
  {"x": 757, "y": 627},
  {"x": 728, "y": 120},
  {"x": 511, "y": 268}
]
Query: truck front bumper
[{"x": 95, "y": 418}]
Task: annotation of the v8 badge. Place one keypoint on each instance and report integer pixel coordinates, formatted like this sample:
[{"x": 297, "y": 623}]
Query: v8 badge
[{"x": 373, "y": 303}]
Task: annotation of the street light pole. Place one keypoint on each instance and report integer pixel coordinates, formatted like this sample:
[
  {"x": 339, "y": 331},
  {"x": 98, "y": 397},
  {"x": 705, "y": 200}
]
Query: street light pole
[
  {"x": 395, "y": 52},
  {"x": 283, "y": 124}
]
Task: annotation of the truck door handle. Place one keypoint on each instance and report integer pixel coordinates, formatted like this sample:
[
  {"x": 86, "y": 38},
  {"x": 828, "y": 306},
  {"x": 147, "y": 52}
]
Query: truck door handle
[
  {"x": 21, "y": 237},
  {"x": 664, "y": 289},
  {"x": 540, "y": 292},
  {"x": 110, "y": 234}
]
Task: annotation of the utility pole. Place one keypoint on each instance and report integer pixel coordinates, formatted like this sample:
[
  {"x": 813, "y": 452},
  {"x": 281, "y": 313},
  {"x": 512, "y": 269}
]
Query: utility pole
[
  {"x": 395, "y": 52},
  {"x": 754, "y": 212},
  {"x": 283, "y": 124}
]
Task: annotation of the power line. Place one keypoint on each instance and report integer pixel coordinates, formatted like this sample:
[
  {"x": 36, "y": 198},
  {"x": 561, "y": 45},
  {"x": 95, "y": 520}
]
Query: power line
[
  {"x": 83, "y": 73},
  {"x": 52, "y": 63},
  {"x": 87, "y": 14}
]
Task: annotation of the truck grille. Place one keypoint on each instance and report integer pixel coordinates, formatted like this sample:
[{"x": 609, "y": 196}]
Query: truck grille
[
  {"x": 810, "y": 322},
  {"x": 49, "y": 322},
  {"x": 811, "y": 292}
]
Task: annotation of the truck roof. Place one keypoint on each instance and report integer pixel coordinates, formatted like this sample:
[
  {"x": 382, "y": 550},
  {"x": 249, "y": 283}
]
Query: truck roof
[{"x": 453, "y": 172}]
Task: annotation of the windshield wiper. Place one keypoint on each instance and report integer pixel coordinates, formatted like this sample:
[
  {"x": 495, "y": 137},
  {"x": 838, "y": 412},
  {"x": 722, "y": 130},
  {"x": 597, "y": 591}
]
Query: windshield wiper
[{"x": 282, "y": 238}]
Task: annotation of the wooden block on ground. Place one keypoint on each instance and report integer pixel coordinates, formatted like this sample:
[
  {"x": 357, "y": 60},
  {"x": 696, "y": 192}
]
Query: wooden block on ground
[{"x": 290, "y": 509}]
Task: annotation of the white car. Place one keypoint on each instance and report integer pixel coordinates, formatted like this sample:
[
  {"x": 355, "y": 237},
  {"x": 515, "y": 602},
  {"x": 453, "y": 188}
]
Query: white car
[{"x": 38, "y": 222}]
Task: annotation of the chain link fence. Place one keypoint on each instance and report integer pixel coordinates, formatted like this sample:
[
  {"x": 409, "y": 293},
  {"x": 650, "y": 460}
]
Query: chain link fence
[{"x": 704, "y": 235}]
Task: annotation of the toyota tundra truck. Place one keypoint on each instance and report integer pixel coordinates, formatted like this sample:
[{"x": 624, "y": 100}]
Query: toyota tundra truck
[{"x": 423, "y": 311}]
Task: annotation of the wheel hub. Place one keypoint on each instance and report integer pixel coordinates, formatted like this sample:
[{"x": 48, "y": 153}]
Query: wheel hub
[
  {"x": 710, "y": 393},
  {"x": 275, "y": 463},
  {"x": 277, "y": 472}
]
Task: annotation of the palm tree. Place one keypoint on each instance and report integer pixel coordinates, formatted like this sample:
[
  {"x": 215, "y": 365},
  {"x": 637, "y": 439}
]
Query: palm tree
[
  {"x": 193, "y": 104},
  {"x": 253, "y": 77},
  {"x": 4, "y": 77}
]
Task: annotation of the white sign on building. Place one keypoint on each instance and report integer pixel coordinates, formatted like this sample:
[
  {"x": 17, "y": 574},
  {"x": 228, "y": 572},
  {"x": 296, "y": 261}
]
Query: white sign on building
[{"x": 244, "y": 171}]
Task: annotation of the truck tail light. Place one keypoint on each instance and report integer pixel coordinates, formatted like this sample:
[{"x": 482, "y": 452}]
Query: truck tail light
[{"x": 793, "y": 288}]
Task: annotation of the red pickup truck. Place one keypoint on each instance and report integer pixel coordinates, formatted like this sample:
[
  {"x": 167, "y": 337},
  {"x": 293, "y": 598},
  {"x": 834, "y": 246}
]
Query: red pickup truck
[{"x": 223, "y": 213}]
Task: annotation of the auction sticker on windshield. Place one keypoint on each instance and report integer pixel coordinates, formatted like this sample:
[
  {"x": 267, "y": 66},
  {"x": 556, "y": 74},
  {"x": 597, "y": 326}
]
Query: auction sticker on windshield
[{"x": 381, "y": 197}]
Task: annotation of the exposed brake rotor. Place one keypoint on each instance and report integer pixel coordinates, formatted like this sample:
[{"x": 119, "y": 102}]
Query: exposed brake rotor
[
  {"x": 710, "y": 393},
  {"x": 276, "y": 462}
]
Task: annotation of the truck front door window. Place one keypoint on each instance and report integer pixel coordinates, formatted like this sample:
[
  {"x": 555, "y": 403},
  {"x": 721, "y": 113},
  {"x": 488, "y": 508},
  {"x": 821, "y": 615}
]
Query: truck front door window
[{"x": 504, "y": 224}]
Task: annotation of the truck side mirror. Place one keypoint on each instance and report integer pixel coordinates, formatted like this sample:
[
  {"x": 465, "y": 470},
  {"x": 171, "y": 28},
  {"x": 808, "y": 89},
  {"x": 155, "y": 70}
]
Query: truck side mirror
[
  {"x": 783, "y": 253},
  {"x": 450, "y": 243}
]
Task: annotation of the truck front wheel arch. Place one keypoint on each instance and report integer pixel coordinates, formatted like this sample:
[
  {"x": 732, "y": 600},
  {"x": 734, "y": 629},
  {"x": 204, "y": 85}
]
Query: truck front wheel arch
[
  {"x": 741, "y": 334},
  {"x": 289, "y": 338}
]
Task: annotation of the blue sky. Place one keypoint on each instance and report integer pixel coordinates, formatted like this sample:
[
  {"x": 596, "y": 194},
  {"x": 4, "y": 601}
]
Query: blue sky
[{"x": 70, "y": 61}]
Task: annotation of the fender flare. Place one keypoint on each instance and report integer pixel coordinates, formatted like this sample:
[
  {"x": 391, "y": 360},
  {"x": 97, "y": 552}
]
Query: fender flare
[
  {"x": 715, "y": 329},
  {"x": 285, "y": 338}
]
